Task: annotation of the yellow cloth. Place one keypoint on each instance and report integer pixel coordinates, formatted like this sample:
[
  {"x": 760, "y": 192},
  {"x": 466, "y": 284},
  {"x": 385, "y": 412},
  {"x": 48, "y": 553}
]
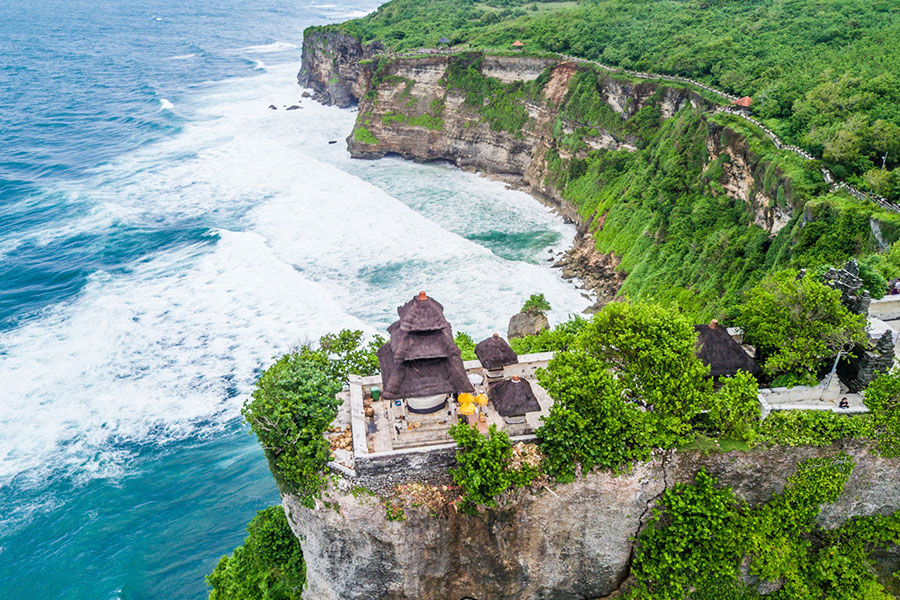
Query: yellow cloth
[
  {"x": 467, "y": 409},
  {"x": 466, "y": 399},
  {"x": 481, "y": 400}
]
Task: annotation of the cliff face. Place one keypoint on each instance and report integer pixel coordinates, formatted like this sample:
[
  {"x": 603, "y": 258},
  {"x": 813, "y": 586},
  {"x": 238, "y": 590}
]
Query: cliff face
[
  {"x": 572, "y": 544},
  {"x": 410, "y": 110},
  {"x": 744, "y": 178},
  {"x": 331, "y": 66}
]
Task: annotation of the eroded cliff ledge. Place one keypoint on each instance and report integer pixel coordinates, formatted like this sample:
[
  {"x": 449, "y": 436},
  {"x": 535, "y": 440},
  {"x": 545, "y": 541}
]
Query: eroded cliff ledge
[{"x": 573, "y": 544}]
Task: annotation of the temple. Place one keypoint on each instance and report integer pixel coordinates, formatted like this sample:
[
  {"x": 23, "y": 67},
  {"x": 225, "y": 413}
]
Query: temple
[{"x": 421, "y": 365}]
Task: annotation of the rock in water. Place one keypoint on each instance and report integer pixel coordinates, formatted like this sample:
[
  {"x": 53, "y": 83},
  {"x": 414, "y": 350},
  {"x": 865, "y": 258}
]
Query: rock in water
[
  {"x": 527, "y": 323},
  {"x": 292, "y": 107},
  {"x": 273, "y": 107}
]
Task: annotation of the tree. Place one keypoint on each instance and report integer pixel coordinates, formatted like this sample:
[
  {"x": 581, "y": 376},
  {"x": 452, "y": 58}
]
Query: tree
[
  {"x": 342, "y": 354},
  {"x": 651, "y": 350},
  {"x": 292, "y": 406},
  {"x": 590, "y": 423},
  {"x": 798, "y": 325},
  {"x": 629, "y": 382},
  {"x": 268, "y": 566},
  {"x": 885, "y": 139}
]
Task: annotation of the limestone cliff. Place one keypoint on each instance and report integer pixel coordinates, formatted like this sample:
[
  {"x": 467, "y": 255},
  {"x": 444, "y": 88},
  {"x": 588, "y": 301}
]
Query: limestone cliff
[
  {"x": 332, "y": 66},
  {"x": 571, "y": 544}
]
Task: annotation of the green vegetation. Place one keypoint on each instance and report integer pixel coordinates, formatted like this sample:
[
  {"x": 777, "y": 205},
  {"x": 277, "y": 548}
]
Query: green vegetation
[
  {"x": 485, "y": 468},
  {"x": 466, "y": 345},
  {"x": 883, "y": 399},
  {"x": 501, "y": 105},
  {"x": 693, "y": 548},
  {"x": 734, "y": 411},
  {"x": 823, "y": 77},
  {"x": 268, "y": 566},
  {"x": 629, "y": 382},
  {"x": 294, "y": 404},
  {"x": 361, "y": 134},
  {"x": 798, "y": 325},
  {"x": 550, "y": 340},
  {"x": 813, "y": 428},
  {"x": 536, "y": 303}
]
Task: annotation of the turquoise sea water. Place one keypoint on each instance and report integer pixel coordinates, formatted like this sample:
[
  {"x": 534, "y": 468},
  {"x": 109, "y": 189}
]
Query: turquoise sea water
[{"x": 163, "y": 235}]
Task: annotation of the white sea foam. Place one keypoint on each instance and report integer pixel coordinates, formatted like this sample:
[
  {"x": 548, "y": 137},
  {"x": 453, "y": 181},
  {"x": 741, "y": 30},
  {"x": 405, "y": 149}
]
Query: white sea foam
[
  {"x": 306, "y": 241},
  {"x": 182, "y": 56},
  {"x": 267, "y": 48},
  {"x": 165, "y": 104},
  {"x": 353, "y": 14},
  {"x": 259, "y": 65}
]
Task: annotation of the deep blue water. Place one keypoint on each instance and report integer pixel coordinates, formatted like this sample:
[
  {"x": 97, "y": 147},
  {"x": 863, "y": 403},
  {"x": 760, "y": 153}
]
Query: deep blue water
[{"x": 164, "y": 235}]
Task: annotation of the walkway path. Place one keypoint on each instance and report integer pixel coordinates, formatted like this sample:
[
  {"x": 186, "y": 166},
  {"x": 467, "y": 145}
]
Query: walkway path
[{"x": 829, "y": 177}]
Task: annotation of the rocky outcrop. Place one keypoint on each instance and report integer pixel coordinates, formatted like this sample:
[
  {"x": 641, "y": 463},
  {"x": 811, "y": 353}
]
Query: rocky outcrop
[
  {"x": 573, "y": 543},
  {"x": 597, "y": 271},
  {"x": 333, "y": 66},
  {"x": 527, "y": 323}
]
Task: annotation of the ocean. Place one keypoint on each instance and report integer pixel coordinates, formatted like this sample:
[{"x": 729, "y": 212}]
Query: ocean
[{"x": 164, "y": 235}]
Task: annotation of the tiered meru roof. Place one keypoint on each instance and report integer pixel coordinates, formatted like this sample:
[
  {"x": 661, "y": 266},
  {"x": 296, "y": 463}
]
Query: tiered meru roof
[
  {"x": 421, "y": 358},
  {"x": 495, "y": 353}
]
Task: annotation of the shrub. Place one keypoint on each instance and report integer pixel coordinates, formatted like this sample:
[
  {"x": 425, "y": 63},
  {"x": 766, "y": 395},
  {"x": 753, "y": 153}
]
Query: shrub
[
  {"x": 484, "y": 470},
  {"x": 734, "y": 409},
  {"x": 294, "y": 404},
  {"x": 883, "y": 399},
  {"x": 694, "y": 546},
  {"x": 812, "y": 428},
  {"x": 695, "y": 541},
  {"x": 536, "y": 303},
  {"x": 550, "y": 340},
  {"x": 268, "y": 566}
]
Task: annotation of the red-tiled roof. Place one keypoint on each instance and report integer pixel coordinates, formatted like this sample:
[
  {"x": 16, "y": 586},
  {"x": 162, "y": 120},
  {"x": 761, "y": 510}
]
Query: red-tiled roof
[
  {"x": 745, "y": 102},
  {"x": 518, "y": 44}
]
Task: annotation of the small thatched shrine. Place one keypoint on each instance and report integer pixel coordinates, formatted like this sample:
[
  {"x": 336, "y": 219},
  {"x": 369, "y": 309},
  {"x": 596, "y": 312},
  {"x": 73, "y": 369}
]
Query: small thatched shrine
[
  {"x": 724, "y": 356},
  {"x": 494, "y": 353},
  {"x": 513, "y": 398},
  {"x": 421, "y": 364}
]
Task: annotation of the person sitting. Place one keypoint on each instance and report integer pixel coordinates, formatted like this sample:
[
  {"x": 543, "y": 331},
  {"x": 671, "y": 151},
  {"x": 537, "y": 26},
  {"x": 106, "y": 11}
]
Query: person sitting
[{"x": 843, "y": 403}]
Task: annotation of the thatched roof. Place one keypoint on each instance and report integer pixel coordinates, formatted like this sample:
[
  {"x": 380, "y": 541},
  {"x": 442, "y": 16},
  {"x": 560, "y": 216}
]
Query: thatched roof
[
  {"x": 422, "y": 314},
  {"x": 495, "y": 353},
  {"x": 416, "y": 378},
  {"x": 416, "y": 345},
  {"x": 724, "y": 356},
  {"x": 513, "y": 397}
]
